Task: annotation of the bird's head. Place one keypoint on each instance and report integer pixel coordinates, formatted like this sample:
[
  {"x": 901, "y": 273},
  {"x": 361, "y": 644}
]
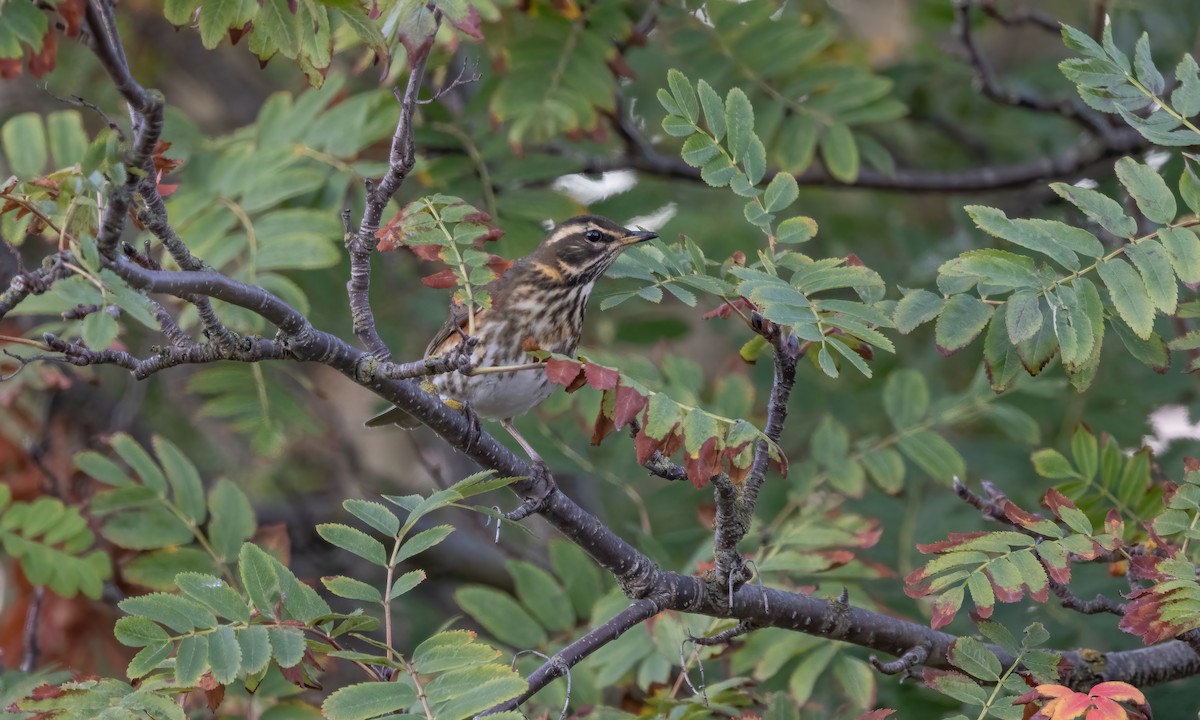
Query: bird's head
[{"x": 579, "y": 250}]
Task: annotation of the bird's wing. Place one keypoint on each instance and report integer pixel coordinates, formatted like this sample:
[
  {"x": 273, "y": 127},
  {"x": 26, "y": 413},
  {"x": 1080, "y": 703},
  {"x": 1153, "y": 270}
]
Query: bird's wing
[{"x": 447, "y": 336}]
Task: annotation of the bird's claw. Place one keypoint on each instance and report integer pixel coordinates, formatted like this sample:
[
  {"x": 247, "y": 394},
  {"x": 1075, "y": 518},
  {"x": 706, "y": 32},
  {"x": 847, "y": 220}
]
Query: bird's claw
[
  {"x": 474, "y": 428},
  {"x": 545, "y": 487}
]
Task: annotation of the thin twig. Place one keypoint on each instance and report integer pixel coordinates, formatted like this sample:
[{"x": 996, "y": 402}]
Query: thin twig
[{"x": 29, "y": 660}]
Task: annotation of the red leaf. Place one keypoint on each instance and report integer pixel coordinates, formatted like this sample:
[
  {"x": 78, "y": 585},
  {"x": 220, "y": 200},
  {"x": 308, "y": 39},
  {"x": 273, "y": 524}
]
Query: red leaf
[
  {"x": 470, "y": 24},
  {"x": 707, "y": 463},
  {"x": 952, "y": 541},
  {"x": 1053, "y": 500},
  {"x": 879, "y": 714},
  {"x": 629, "y": 403},
  {"x": 563, "y": 372},
  {"x": 72, "y": 12},
  {"x": 43, "y": 60},
  {"x": 46, "y": 692},
  {"x": 498, "y": 264},
  {"x": 443, "y": 280},
  {"x": 600, "y": 377},
  {"x": 603, "y": 428},
  {"x": 645, "y": 446},
  {"x": 943, "y": 610}
]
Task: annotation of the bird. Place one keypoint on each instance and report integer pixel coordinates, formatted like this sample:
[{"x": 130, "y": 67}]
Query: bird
[{"x": 538, "y": 304}]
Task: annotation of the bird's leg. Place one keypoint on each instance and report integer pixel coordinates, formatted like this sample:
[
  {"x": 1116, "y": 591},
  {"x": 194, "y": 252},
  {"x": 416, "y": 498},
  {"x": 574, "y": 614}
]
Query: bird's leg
[{"x": 544, "y": 485}]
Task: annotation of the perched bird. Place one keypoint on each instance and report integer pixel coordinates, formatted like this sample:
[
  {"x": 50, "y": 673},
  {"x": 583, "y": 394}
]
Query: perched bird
[{"x": 537, "y": 305}]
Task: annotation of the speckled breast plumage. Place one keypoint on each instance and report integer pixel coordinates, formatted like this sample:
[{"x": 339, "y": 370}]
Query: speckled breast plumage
[{"x": 534, "y": 317}]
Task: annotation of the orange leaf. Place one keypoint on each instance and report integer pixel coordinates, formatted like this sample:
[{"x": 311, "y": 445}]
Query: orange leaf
[
  {"x": 1119, "y": 691},
  {"x": 1105, "y": 709}
]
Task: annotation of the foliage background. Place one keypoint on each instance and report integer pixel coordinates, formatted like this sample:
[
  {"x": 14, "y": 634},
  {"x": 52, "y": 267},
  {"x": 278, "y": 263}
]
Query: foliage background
[{"x": 291, "y": 438}]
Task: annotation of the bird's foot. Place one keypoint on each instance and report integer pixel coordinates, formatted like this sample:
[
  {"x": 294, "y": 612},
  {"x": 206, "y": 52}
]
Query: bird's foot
[
  {"x": 474, "y": 428},
  {"x": 543, "y": 486}
]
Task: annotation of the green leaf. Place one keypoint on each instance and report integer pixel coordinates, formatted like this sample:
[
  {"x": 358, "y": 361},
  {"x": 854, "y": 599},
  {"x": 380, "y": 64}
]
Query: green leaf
[
  {"x": 930, "y": 452},
  {"x": 542, "y": 595},
  {"x": 451, "y": 650},
  {"x": 1023, "y": 316},
  {"x": 840, "y": 153},
  {"x": 139, "y": 631},
  {"x": 99, "y": 330},
  {"x": 279, "y": 25},
  {"x": 1183, "y": 247},
  {"x": 178, "y": 613},
  {"x": 960, "y": 322},
  {"x": 684, "y": 95},
  {"x": 368, "y": 700},
  {"x": 676, "y": 126},
  {"x": 255, "y": 645},
  {"x": 374, "y": 514},
  {"x": 287, "y": 645},
  {"x": 352, "y": 589},
  {"x": 468, "y": 691},
  {"x": 1185, "y": 98},
  {"x": 24, "y": 140},
  {"x": 140, "y": 461},
  {"x": 1057, "y": 240},
  {"x": 355, "y": 541},
  {"x": 1099, "y": 207},
  {"x": 578, "y": 574},
  {"x": 1050, "y": 463},
  {"x": 191, "y": 661},
  {"x": 68, "y": 141},
  {"x": 796, "y": 229},
  {"x": 905, "y": 397},
  {"x": 997, "y": 269},
  {"x": 215, "y": 594},
  {"x": 232, "y": 520},
  {"x": 973, "y": 658},
  {"x": 422, "y": 541},
  {"x": 186, "y": 487},
  {"x": 148, "y": 659},
  {"x": 259, "y": 580},
  {"x": 755, "y": 160},
  {"x": 406, "y": 582},
  {"x": 1189, "y": 184},
  {"x": 1149, "y": 190},
  {"x": 1129, "y": 295},
  {"x": 1143, "y": 65},
  {"x": 781, "y": 192},
  {"x": 804, "y": 678},
  {"x": 886, "y": 468},
  {"x": 916, "y": 308},
  {"x": 739, "y": 121},
  {"x": 699, "y": 149},
  {"x": 714, "y": 109},
  {"x": 718, "y": 171},
  {"x": 501, "y": 616},
  {"x": 1152, "y": 261},
  {"x": 101, "y": 468}
]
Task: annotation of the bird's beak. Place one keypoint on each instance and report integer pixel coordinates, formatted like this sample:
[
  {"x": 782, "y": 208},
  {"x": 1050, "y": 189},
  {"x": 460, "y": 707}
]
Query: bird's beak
[{"x": 638, "y": 236}]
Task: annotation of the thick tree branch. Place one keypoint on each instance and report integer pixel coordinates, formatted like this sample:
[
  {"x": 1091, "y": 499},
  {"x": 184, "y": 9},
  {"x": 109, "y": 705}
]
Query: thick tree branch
[{"x": 1065, "y": 164}]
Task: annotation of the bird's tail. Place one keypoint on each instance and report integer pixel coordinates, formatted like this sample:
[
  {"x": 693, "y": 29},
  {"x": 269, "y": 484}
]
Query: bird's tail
[{"x": 393, "y": 416}]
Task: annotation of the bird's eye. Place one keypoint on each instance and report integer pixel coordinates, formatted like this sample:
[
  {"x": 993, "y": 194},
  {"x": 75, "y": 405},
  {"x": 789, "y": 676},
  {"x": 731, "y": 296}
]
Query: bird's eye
[{"x": 594, "y": 236}]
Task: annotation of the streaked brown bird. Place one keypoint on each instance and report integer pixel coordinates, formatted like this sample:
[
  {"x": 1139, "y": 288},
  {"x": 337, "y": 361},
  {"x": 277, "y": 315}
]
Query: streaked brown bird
[{"x": 537, "y": 305}]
